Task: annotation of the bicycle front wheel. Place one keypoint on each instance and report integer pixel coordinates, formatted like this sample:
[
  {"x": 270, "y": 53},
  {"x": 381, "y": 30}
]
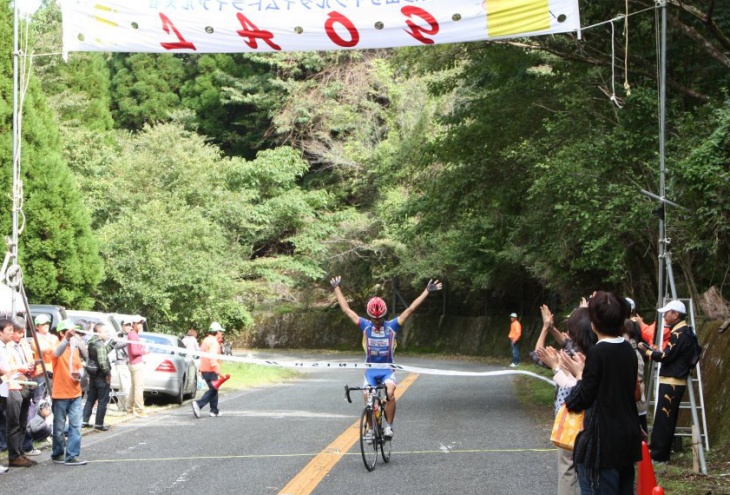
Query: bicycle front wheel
[{"x": 368, "y": 447}]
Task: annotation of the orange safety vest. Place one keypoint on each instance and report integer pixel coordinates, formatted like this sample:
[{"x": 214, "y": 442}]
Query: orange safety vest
[{"x": 212, "y": 346}]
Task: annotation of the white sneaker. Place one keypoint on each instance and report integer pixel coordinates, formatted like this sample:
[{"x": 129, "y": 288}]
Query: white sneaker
[
  {"x": 3, "y": 470},
  {"x": 368, "y": 437},
  {"x": 215, "y": 414},
  {"x": 196, "y": 409},
  {"x": 512, "y": 365},
  {"x": 388, "y": 432},
  {"x": 33, "y": 453}
]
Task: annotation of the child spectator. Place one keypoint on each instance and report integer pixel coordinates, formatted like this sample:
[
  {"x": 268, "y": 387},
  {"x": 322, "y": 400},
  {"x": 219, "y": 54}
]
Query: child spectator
[{"x": 40, "y": 426}]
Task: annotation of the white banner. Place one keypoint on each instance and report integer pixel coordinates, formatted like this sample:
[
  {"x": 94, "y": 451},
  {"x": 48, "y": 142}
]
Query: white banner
[
  {"x": 232, "y": 26},
  {"x": 327, "y": 365}
]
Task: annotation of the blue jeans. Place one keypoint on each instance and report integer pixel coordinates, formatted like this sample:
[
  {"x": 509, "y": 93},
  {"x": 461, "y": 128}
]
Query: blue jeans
[
  {"x": 63, "y": 408},
  {"x": 515, "y": 352},
  {"x": 211, "y": 395},
  {"x": 611, "y": 481}
]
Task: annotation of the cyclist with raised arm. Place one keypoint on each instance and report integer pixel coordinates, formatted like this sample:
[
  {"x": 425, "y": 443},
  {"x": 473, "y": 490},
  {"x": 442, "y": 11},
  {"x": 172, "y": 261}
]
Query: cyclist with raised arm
[{"x": 378, "y": 339}]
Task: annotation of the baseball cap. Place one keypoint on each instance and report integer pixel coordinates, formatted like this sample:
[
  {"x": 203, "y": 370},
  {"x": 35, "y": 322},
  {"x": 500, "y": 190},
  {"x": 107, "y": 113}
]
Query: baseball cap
[
  {"x": 513, "y": 315},
  {"x": 138, "y": 318},
  {"x": 64, "y": 325},
  {"x": 631, "y": 303},
  {"x": 215, "y": 327},
  {"x": 42, "y": 319},
  {"x": 675, "y": 305}
]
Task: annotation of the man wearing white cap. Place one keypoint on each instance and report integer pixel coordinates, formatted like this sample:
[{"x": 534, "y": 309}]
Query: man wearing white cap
[
  {"x": 676, "y": 364},
  {"x": 136, "y": 352},
  {"x": 210, "y": 368},
  {"x": 515, "y": 333}
]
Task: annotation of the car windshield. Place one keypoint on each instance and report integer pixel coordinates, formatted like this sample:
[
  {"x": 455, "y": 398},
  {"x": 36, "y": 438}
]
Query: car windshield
[{"x": 156, "y": 340}]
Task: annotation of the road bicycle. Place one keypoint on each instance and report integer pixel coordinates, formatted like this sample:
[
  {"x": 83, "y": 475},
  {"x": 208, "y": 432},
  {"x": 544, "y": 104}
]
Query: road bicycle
[{"x": 372, "y": 418}]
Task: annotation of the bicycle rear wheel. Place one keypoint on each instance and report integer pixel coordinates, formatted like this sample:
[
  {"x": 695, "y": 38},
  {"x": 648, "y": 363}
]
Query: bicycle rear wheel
[{"x": 369, "y": 450}]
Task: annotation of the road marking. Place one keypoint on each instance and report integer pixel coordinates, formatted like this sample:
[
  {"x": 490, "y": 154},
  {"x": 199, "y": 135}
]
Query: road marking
[
  {"x": 310, "y": 454},
  {"x": 308, "y": 478}
]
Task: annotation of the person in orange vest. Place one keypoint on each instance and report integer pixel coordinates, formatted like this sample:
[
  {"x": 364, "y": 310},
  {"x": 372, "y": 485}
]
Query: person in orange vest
[
  {"x": 648, "y": 332},
  {"x": 67, "y": 372},
  {"x": 515, "y": 333},
  {"x": 210, "y": 368},
  {"x": 47, "y": 343}
]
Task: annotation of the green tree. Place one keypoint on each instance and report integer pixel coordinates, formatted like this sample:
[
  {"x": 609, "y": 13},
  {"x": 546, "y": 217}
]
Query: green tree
[{"x": 57, "y": 250}]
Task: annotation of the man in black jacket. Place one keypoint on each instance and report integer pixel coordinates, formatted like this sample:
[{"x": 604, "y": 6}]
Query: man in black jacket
[
  {"x": 676, "y": 364},
  {"x": 99, "y": 370}
]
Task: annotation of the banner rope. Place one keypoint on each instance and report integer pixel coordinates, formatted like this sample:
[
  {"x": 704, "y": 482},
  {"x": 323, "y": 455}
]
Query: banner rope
[{"x": 328, "y": 365}]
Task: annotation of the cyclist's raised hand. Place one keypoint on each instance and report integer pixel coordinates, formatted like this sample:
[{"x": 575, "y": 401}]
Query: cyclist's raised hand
[
  {"x": 335, "y": 282},
  {"x": 434, "y": 285}
]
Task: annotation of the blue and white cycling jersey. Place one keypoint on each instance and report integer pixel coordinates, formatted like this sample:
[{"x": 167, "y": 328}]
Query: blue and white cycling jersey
[{"x": 379, "y": 343}]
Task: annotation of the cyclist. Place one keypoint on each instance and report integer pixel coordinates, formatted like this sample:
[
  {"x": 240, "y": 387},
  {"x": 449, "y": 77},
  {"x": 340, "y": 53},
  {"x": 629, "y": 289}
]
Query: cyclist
[{"x": 378, "y": 339}]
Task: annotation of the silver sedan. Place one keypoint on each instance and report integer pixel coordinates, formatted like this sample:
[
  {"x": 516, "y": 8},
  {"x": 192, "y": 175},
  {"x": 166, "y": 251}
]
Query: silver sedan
[{"x": 167, "y": 373}]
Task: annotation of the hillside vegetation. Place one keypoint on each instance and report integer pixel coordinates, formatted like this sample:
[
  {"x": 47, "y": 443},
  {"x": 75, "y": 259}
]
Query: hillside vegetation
[{"x": 198, "y": 187}]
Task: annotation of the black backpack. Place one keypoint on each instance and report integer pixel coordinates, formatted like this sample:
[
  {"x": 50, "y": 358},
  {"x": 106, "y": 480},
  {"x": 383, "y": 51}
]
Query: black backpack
[{"x": 696, "y": 347}]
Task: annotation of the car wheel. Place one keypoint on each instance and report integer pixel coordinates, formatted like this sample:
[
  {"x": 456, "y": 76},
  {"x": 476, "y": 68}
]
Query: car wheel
[{"x": 180, "y": 393}]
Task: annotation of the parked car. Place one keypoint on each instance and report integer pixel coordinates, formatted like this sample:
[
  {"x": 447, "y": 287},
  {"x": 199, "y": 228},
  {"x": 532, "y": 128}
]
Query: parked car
[
  {"x": 171, "y": 374},
  {"x": 94, "y": 317},
  {"x": 55, "y": 313}
]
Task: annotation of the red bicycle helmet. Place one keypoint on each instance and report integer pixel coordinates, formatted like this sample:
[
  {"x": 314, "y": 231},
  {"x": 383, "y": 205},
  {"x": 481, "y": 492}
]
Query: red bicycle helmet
[{"x": 377, "y": 307}]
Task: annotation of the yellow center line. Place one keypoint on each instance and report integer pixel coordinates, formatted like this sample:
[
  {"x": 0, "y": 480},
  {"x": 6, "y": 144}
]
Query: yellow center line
[{"x": 308, "y": 478}]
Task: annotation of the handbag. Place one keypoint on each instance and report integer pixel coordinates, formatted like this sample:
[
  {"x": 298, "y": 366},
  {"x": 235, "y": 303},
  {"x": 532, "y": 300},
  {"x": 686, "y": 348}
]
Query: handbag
[{"x": 566, "y": 428}]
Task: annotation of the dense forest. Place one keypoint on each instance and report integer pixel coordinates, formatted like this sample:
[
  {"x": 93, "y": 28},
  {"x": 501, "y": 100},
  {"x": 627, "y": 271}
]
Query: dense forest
[{"x": 192, "y": 187}]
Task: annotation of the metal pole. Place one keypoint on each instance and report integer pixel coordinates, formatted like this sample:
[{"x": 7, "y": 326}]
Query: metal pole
[
  {"x": 16, "y": 142},
  {"x": 662, "y": 165}
]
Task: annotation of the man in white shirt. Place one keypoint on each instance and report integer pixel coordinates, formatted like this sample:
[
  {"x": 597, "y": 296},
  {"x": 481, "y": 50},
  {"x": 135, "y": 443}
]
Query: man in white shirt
[{"x": 6, "y": 335}]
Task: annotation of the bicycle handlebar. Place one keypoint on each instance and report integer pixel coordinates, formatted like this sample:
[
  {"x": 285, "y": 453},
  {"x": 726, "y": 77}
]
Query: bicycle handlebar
[{"x": 369, "y": 387}]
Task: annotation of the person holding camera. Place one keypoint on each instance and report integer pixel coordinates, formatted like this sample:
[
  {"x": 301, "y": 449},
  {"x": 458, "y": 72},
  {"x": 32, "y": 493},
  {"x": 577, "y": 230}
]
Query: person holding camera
[{"x": 67, "y": 373}]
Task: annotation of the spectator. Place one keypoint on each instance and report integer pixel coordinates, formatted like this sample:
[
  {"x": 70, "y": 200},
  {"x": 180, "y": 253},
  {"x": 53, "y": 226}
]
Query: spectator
[
  {"x": 191, "y": 340},
  {"x": 121, "y": 366},
  {"x": 67, "y": 371},
  {"x": 40, "y": 427},
  {"x": 48, "y": 343},
  {"x": 515, "y": 333},
  {"x": 20, "y": 366},
  {"x": 633, "y": 335},
  {"x": 610, "y": 443},
  {"x": 99, "y": 370},
  {"x": 136, "y": 352},
  {"x": 210, "y": 369},
  {"x": 675, "y": 367},
  {"x": 579, "y": 330},
  {"x": 6, "y": 337}
]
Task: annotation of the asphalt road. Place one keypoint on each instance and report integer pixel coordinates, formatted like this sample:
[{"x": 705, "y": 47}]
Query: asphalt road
[{"x": 452, "y": 436}]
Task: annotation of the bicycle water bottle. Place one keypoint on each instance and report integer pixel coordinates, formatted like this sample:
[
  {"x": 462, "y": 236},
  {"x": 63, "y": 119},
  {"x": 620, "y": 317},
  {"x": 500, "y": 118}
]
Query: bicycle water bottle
[{"x": 377, "y": 411}]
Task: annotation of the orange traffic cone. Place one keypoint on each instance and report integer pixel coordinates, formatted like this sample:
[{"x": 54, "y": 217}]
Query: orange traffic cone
[
  {"x": 646, "y": 481},
  {"x": 220, "y": 381}
]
